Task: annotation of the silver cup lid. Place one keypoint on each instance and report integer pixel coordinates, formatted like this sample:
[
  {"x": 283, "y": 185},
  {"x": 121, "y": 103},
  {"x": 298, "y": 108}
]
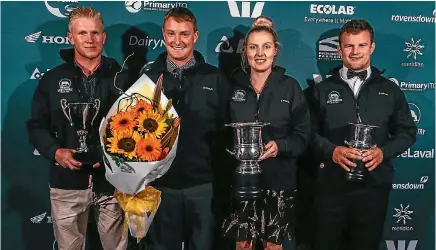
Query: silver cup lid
[{"x": 247, "y": 124}]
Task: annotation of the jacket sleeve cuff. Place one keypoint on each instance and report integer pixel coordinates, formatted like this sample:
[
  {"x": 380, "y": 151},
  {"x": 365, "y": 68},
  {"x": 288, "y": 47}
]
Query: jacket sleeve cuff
[
  {"x": 52, "y": 151},
  {"x": 281, "y": 145},
  {"x": 328, "y": 152}
]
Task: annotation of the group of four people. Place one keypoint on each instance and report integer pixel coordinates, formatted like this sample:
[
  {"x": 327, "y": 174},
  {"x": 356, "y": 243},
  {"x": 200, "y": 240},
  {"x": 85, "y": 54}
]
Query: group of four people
[{"x": 195, "y": 191}]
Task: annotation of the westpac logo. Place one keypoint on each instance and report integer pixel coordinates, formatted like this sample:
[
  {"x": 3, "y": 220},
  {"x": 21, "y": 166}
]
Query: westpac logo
[
  {"x": 136, "y": 6},
  {"x": 412, "y": 186},
  {"x": 37, "y": 74},
  {"x": 409, "y": 86},
  {"x": 60, "y": 8},
  {"x": 245, "y": 10},
  {"x": 33, "y": 38},
  {"x": 332, "y": 9},
  {"x": 328, "y": 49},
  {"x": 401, "y": 245},
  {"x": 225, "y": 46}
]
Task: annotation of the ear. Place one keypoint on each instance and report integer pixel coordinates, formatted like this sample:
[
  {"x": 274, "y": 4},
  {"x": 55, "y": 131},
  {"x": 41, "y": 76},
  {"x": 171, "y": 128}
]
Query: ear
[
  {"x": 104, "y": 37},
  {"x": 372, "y": 47},
  {"x": 196, "y": 34},
  {"x": 275, "y": 51},
  {"x": 340, "y": 50},
  {"x": 70, "y": 38}
]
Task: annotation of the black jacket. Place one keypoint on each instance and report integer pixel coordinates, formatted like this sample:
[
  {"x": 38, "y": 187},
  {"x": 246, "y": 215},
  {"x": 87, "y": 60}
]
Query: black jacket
[
  {"x": 282, "y": 104},
  {"x": 380, "y": 102},
  {"x": 201, "y": 101},
  {"x": 49, "y": 128}
]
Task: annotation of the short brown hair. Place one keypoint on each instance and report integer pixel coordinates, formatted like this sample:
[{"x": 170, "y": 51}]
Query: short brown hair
[
  {"x": 181, "y": 14},
  {"x": 257, "y": 28},
  {"x": 84, "y": 12},
  {"x": 355, "y": 27}
]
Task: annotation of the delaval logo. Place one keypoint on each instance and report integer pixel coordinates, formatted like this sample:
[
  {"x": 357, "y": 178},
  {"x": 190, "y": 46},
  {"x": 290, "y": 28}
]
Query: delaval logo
[
  {"x": 409, "y": 86},
  {"x": 401, "y": 245},
  {"x": 412, "y": 186},
  {"x": 33, "y": 38},
  {"x": 328, "y": 49},
  {"x": 245, "y": 10},
  {"x": 418, "y": 154},
  {"x": 54, "y": 7},
  {"x": 332, "y": 9},
  {"x": 37, "y": 74},
  {"x": 225, "y": 46}
]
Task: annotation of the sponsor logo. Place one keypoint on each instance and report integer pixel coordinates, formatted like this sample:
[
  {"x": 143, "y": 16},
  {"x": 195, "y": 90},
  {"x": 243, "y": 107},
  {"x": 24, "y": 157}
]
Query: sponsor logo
[
  {"x": 239, "y": 96},
  {"x": 37, "y": 74},
  {"x": 334, "y": 97},
  {"x": 146, "y": 42},
  {"x": 414, "y": 19},
  {"x": 317, "y": 78},
  {"x": 415, "y": 111},
  {"x": 35, "y": 152},
  {"x": 328, "y": 49},
  {"x": 60, "y": 8},
  {"x": 418, "y": 154},
  {"x": 33, "y": 38},
  {"x": 65, "y": 86},
  {"x": 411, "y": 186},
  {"x": 245, "y": 10},
  {"x": 136, "y": 6},
  {"x": 403, "y": 215},
  {"x": 401, "y": 245},
  {"x": 225, "y": 46},
  {"x": 413, "y": 50},
  {"x": 329, "y": 10},
  {"x": 41, "y": 218},
  {"x": 409, "y": 86}
]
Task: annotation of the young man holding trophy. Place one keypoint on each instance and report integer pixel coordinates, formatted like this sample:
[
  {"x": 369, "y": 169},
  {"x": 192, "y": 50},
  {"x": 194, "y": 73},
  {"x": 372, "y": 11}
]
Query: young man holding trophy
[
  {"x": 361, "y": 122},
  {"x": 68, "y": 105}
]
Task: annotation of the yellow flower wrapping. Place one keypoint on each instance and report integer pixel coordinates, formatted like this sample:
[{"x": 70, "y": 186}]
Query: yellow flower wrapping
[{"x": 145, "y": 201}]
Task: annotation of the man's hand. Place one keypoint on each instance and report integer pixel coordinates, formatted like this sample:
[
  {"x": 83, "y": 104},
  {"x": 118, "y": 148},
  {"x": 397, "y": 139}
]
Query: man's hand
[
  {"x": 97, "y": 165},
  {"x": 341, "y": 156},
  {"x": 271, "y": 150},
  {"x": 244, "y": 245},
  {"x": 64, "y": 156},
  {"x": 373, "y": 158},
  {"x": 272, "y": 246}
]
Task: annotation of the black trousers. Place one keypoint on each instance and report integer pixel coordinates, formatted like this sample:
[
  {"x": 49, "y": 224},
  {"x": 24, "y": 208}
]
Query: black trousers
[
  {"x": 184, "y": 215},
  {"x": 350, "y": 219}
]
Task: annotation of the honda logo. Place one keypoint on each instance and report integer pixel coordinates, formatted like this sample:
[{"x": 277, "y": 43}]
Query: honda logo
[{"x": 245, "y": 10}]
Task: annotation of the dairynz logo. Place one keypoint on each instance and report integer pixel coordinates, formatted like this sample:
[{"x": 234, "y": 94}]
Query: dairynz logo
[
  {"x": 225, "y": 46},
  {"x": 409, "y": 86},
  {"x": 54, "y": 7},
  {"x": 136, "y": 6},
  {"x": 331, "y": 9},
  {"x": 41, "y": 218},
  {"x": 146, "y": 42},
  {"x": 401, "y": 245},
  {"x": 33, "y": 38},
  {"x": 245, "y": 10},
  {"x": 415, "y": 111},
  {"x": 413, "y": 48},
  {"x": 411, "y": 186},
  {"x": 37, "y": 74},
  {"x": 402, "y": 214},
  {"x": 328, "y": 49},
  {"x": 418, "y": 154},
  {"x": 414, "y": 19}
]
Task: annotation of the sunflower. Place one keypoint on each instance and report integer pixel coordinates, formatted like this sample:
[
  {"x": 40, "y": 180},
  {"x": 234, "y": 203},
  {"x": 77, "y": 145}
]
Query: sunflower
[
  {"x": 149, "y": 148},
  {"x": 151, "y": 122},
  {"x": 124, "y": 142},
  {"x": 140, "y": 107},
  {"x": 122, "y": 121}
]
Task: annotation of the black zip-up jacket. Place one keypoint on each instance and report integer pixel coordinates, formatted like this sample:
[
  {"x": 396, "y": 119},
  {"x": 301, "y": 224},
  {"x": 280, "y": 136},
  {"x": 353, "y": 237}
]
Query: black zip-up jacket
[
  {"x": 380, "y": 102},
  {"x": 201, "y": 101},
  {"x": 282, "y": 104},
  {"x": 49, "y": 128}
]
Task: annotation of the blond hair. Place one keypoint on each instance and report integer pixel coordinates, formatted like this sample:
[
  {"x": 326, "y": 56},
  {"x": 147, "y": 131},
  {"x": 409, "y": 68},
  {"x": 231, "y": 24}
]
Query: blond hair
[
  {"x": 84, "y": 12},
  {"x": 263, "y": 20}
]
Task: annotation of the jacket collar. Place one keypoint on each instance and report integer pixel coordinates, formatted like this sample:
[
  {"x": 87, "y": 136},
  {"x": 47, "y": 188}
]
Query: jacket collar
[
  {"x": 159, "y": 65},
  {"x": 242, "y": 77}
]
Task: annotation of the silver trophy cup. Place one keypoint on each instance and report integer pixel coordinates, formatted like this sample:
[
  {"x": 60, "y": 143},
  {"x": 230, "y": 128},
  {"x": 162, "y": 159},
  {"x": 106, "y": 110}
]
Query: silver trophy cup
[
  {"x": 248, "y": 148},
  {"x": 361, "y": 138},
  {"x": 81, "y": 116}
]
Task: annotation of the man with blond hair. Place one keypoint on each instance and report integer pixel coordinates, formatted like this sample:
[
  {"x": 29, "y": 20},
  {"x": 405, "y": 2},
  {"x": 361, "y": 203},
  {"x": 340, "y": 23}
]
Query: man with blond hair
[{"x": 75, "y": 187}]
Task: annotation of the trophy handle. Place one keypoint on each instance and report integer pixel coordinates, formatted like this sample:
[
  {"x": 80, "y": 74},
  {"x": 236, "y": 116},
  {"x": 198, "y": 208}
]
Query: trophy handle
[
  {"x": 97, "y": 108},
  {"x": 231, "y": 152},
  {"x": 348, "y": 144},
  {"x": 64, "y": 107}
]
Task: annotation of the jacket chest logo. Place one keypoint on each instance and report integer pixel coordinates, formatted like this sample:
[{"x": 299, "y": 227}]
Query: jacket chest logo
[
  {"x": 239, "y": 96},
  {"x": 334, "y": 97},
  {"x": 65, "y": 86}
]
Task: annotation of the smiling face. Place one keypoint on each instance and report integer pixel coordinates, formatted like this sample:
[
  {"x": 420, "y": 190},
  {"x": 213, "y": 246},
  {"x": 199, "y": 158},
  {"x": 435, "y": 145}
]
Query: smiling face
[
  {"x": 356, "y": 50},
  {"x": 260, "y": 50},
  {"x": 180, "y": 37},
  {"x": 87, "y": 37}
]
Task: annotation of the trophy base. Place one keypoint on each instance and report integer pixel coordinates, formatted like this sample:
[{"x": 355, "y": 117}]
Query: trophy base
[
  {"x": 247, "y": 186},
  {"x": 88, "y": 159},
  {"x": 358, "y": 173}
]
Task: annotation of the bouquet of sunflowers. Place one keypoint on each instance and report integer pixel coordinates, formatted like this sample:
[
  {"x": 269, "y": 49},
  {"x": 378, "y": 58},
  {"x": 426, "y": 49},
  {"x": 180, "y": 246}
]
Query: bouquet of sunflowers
[{"x": 139, "y": 141}]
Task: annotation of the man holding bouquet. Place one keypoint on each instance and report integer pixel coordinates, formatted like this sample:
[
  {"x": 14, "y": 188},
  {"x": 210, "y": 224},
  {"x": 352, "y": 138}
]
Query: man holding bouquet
[
  {"x": 199, "y": 93},
  {"x": 85, "y": 77}
]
